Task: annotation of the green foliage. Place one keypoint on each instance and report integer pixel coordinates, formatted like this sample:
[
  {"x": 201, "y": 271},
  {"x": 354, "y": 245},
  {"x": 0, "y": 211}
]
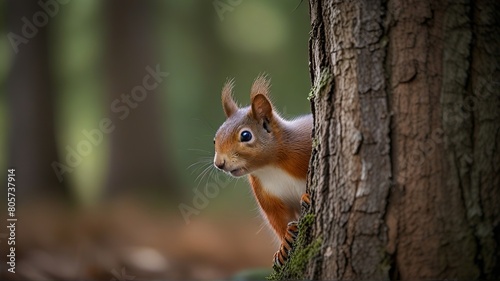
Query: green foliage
[
  {"x": 301, "y": 253},
  {"x": 252, "y": 37}
]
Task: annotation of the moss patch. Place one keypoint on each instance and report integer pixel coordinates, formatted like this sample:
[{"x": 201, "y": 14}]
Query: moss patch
[
  {"x": 300, "y": 255},
  {"x": 315, "y": 143},
  {"x": 320, "y": 83}
]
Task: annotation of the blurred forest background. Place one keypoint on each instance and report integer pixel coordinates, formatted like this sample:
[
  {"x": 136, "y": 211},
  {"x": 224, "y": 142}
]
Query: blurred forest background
[{"x": 115, "y": 215}]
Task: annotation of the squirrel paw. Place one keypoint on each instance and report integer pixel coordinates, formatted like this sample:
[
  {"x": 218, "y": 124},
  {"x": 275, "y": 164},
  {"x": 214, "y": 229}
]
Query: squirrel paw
[
  {"x": 281, "y": 256},
  {"x": 305, "y": 201},
  {"x": 292, "y": 229}
]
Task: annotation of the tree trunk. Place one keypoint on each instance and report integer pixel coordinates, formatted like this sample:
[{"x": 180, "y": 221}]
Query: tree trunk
[
  {"x": 137, "y": 161},
  {"x": 32, "y": 144},
  {"x": 405, "y": 171}
]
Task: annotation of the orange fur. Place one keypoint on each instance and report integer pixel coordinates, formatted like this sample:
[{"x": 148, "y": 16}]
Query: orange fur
[
  {"x": 277, "y": 143},
  {"x": 228, "y": 103},
  {"x": 277, "y": 213}
]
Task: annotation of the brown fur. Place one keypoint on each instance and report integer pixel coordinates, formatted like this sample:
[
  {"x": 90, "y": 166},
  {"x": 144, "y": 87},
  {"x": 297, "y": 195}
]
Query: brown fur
[
  {"x": 286, "y": 146},
  {"x": 228, "y": 103}
]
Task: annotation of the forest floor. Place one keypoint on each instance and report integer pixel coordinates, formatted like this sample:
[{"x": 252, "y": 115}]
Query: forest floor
[{"x": 125, "y": 242}]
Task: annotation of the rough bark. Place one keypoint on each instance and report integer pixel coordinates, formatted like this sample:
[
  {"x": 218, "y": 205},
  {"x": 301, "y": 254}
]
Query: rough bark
[
  {"x": 351, "y": 161},
  {"x": 405, "y": 170}
]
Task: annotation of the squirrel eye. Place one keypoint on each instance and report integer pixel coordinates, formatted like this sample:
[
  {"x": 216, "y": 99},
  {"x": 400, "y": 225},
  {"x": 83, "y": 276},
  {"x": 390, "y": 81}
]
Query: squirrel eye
[{"x": 245, "y": 136}]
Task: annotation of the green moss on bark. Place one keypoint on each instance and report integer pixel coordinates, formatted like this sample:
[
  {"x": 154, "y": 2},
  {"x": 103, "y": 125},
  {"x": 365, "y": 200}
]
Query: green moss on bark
[
  {"x": 318, "y": 87},
  {"x": 301, "y": 253}
]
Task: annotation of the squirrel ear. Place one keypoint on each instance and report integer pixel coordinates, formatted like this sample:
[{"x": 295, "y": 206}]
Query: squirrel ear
[
  {"x": 228, "y": 104},
  {"x": 262, "y": 108}
]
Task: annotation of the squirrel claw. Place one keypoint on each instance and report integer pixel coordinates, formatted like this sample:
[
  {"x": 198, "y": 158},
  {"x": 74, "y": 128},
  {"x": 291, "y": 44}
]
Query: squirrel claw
[
  {"x": 292, "y": 230},
  {"x": 305, "y": 201},
  {"x": 281, "y": 256}
]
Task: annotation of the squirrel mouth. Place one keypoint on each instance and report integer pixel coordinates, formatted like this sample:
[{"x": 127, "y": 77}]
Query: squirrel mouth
[{"x": 238, "y": 172}]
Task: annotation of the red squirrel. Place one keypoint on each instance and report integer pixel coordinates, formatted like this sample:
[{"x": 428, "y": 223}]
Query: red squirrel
[{"x": 255, "y": 141}]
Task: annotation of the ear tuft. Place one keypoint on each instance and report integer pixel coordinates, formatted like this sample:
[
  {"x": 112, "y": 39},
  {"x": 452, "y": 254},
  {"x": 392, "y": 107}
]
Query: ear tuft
[
  {"x": 260, "y": 86},
  {"x": 228, "y": 103}
]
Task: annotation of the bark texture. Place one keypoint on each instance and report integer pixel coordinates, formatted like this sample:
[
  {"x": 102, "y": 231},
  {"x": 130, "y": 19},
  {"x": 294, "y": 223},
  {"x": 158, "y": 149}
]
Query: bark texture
[{"x": 405, "y": 171}]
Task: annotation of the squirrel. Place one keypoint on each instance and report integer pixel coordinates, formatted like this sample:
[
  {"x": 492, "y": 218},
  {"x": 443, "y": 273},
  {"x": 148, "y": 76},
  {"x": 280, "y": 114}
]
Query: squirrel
[{"x": 255, "y": 141}]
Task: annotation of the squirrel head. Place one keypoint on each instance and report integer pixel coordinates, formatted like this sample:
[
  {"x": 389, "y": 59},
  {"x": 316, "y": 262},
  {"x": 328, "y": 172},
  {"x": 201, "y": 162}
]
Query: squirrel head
[{"x": 250, "y": 137}]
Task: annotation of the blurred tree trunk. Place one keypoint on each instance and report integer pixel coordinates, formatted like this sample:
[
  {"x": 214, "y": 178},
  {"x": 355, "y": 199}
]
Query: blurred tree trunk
[
  {"x": 405, "y": 170},
  {"x": 137, "y": 147},
  {"x": 32, "y": 145}
]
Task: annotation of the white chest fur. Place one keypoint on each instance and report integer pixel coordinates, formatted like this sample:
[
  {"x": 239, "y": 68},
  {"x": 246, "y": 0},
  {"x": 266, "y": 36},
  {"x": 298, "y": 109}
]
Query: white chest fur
[{"x": 282, "y": 185}]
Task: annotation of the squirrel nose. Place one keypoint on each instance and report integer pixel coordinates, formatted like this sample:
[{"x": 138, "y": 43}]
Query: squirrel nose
[{"x": 220, "y": 165}]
